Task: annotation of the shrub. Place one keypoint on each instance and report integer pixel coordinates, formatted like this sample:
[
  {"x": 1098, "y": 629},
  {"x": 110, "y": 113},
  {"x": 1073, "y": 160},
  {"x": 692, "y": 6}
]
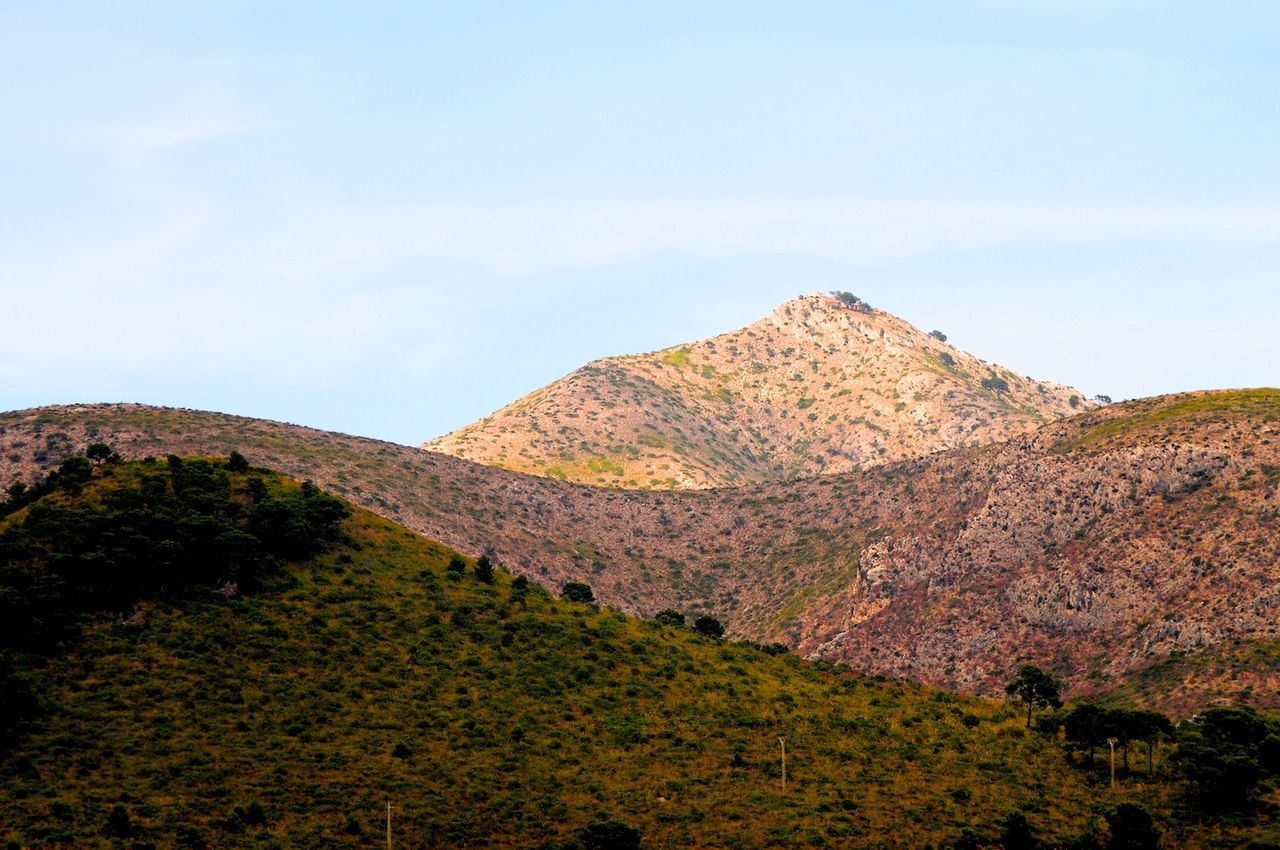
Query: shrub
[
  {"x": 1015, "y": 833},
  {"x": 669, "y": 617},
  {"x": 609, "y": 835},
  {"x": 938, "y": 335},
  {"x": 254, "y": 815},
  {"x": 119, "y": 824},
  {"x": 708, "y": 626},
  {"x": 1132, "y": 829},
  {"x": 237, "y": 462},
  {"x": 998, "y": 385}
]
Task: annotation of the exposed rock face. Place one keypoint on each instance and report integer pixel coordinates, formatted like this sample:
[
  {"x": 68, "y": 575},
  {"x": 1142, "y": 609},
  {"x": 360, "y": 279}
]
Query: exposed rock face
[
  {"x": 1103, "y": 546},
  {"x": 818, "y": 387}
]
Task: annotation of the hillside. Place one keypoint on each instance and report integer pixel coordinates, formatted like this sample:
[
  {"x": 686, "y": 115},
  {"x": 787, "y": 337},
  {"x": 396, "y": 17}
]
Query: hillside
[
  {"x": 369, "y": 670},
  {"x": 820, "y": 386},
  {"x": 1101, "y": 546}
]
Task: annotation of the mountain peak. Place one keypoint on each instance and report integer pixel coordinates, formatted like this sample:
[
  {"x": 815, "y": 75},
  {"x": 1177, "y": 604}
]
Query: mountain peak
[{"x": 824, "y": 383}]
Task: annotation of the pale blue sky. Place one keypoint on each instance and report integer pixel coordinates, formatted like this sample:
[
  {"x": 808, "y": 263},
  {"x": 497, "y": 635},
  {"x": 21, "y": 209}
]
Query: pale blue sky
[{"x": 390, "y": 219}]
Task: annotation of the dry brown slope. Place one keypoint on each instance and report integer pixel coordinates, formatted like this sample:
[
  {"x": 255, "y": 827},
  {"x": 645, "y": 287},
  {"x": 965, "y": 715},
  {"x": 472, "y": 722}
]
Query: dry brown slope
[
  {"x": 1099, "y": 546},
  {"x": 817, "y": 387}
]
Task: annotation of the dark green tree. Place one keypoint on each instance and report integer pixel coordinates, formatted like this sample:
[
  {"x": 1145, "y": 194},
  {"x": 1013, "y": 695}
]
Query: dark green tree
[
  {"x": 938, "y": 335},
  {"x": 1035, "y": 689},
  {"x": 1220, "y": 755},
  {"x": 708, "y": 626},
  {"x": 457, "y": 566},
  {"x": 74, "y": 473},
  {"x": 1148, "y": 727},
  {"x": 99, "y": 453},
  {"x": 576, "y": 591},
  {"x": 519, "y": 588},
  {"x": 1082, "y": 728},
  {"x": 237, "y": 462},
  {"x": 484, "y": 569},
  {"x": 669, "y": 617}
]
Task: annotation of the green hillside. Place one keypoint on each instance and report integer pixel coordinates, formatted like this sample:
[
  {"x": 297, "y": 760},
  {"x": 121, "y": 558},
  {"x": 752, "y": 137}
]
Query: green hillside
[{"x": 345, "y": 664}]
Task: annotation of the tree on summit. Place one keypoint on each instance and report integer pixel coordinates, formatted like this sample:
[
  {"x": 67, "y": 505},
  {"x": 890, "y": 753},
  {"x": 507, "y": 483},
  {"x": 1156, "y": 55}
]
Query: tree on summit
[{"x": 1034, "y": 688}]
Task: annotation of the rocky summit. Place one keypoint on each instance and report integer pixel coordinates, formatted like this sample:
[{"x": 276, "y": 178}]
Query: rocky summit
[{"x": 824, "y": 384}]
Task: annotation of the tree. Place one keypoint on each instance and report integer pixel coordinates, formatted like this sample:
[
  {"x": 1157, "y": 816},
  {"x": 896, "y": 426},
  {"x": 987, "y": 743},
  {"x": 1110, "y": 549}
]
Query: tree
[
  {"x": 576, "y": 591},
  {"x": 237, "y": 462},
  {"x": 1082, "y": 728},
  {"x": 1132, "y": 829},
  {"x": 74, "y": 473},
  {"x": 708, "y": 626},
  {"x": 1102, "y": 399},
  {"x": 100, "y": 453},
  {"x": 669, "y": 617},
  {"x": 1220, "y": 755},
  {"x": 457, "y": 566},
  {"x": 1148, "y": 726},
  {"x": 851, "y": 300},
  {"x": 947, "y": 360},
  {"x": 484, "y": 569},
  {"x": 938, "y": 335},
  {"x": 1034, "y": 688}
]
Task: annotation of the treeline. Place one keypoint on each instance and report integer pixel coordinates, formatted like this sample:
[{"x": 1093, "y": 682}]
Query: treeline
[
  {"x": 1225, "y": 755},
  {"x": 161, "y": 531}
]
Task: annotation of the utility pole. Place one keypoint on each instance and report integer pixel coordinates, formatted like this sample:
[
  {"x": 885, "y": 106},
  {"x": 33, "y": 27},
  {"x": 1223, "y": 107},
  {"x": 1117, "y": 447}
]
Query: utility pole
[
  {"x": 783, "y": 743},
  {"x": 388, "y": 825},
  {"x": 1111, "y": 742}
]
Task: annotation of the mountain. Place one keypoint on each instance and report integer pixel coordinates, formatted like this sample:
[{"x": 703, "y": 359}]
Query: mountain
[
  {"x": 358, "y": 664},
  {"x": 823, "y": 385},
  {"x": 1139, "y": 541}
]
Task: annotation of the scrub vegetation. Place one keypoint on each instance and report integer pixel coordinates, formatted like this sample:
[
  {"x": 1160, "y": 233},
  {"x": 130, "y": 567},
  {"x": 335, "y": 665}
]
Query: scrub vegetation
[{"x": 280, "y": 692}]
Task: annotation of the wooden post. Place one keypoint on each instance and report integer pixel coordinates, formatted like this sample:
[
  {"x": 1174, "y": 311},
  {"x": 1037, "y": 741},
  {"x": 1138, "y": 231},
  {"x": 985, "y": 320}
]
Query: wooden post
[
  {"x": 1111, "y": 742},
  {"x": 388, "y": 825},
  {"x": 783, "y": 743}
]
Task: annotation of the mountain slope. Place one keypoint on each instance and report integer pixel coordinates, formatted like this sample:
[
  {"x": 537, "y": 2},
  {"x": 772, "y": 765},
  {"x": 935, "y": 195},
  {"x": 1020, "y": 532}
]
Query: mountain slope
[
  {"x": 487, "y": 713},
  {"x": 820, "y": 386},
  {"x": 1100, "y": 546}
]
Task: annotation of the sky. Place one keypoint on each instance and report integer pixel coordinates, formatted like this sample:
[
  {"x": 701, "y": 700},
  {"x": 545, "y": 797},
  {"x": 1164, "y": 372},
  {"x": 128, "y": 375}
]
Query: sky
[{"x": 390, "y": 219}]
